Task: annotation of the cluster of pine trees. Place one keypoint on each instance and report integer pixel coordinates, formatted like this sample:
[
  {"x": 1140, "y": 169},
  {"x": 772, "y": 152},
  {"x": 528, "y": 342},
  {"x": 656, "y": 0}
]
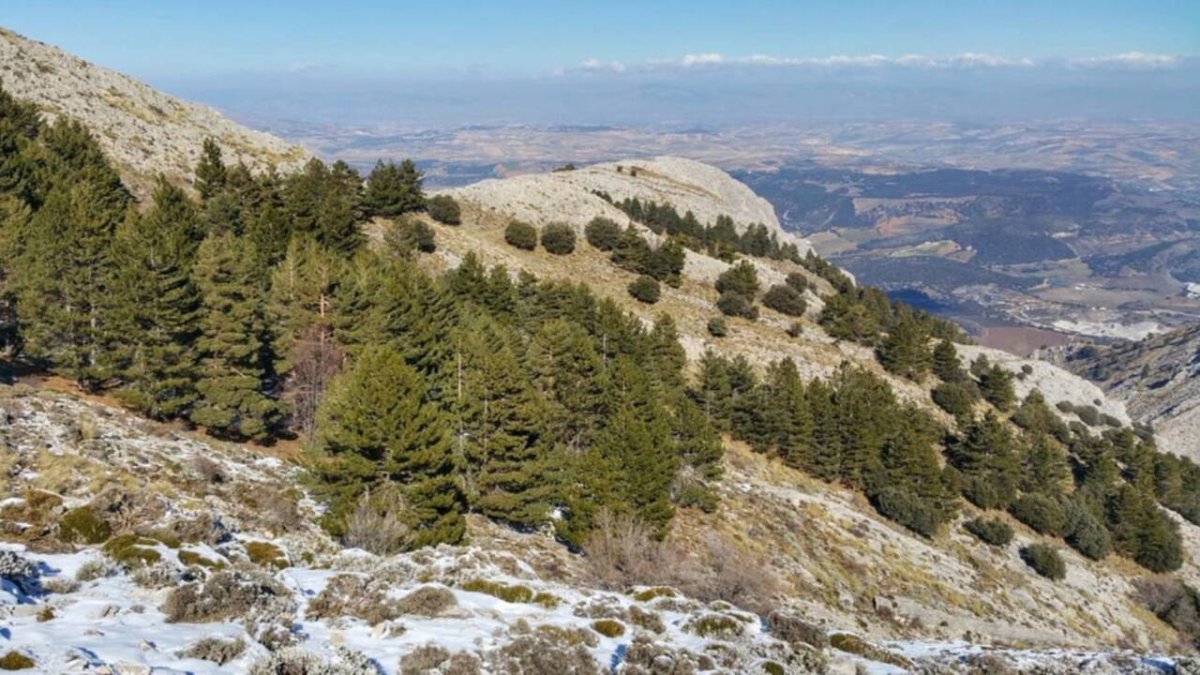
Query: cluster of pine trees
[
  {"x": 850, "y": 429},
  {"x": 720, "y": 239},
  {"x": 258, "y": 313}
]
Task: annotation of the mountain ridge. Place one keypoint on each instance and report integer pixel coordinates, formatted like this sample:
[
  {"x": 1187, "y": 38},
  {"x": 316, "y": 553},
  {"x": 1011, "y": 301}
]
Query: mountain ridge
[{"x": 144, "y": 131}]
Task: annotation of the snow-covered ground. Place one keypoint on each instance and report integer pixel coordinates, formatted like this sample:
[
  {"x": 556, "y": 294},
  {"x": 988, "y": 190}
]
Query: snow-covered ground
[{"x": 113, "y": 622}]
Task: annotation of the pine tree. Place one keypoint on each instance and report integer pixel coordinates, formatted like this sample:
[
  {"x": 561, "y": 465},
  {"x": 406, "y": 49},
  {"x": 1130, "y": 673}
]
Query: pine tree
[
  {"x": 66, "y": 272},
  {"x": 210, "y": 170},
  {"x": 825, "y": 455},
  {"x": 394, "y": 189},
  {"x": 500, "y": 427},
  {"x": 997, "y": 387},
  {"x": 235, "y": 389},
  {"x": 789, "y": 418},
  {"x": 377, "y": 425},
  {"x": 565, "y": 369},
  {"x": 155, "y": 305},
  {"x": 946, "y": 364},
  {"x": 904, "y": 351},
  {"x": 986, "y": 455},
  {"x": 302, "y": 311},
  {"x": 845, "y": 319},
  {"x": 629, "y": 470}
]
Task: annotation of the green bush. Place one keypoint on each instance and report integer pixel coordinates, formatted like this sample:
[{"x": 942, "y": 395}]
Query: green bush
[
  {"x": 1086, "y": 532},
  {"x": 602, "y": 233},
  {"x": 82, "y": 526},
  {"x": 15, "y": 660},
  {"x": 785, "y": 300},
  {"x": 797, "y": 282},
  {"x": 408, "y": 235},
  {"x": 558, "y": 238},
  {"x": 645, "y": 289},
  {"x": 736, "y": 304},
  {"x": 742, "y": 279},
  {"x": 1045, "y": 560},
  {"x": 717, "y": 327},
  {"x": 444, "y": 209},
  {"x": 132, "y": 551},
  {"x": 266, "y": 554},
  {"x": 609, "y": 627},
  {"x": 796, "y": 329},
  {"x": 514, "y": 593},
  {"x": 907, "y": 509},
  {"x": 993, "y": 532},
  {"x": 1039, "y": 512},
  {"x": 1088, "y": 414},
  {"x": 521, "y": 235},
  {"x": 956, "y": 398}
]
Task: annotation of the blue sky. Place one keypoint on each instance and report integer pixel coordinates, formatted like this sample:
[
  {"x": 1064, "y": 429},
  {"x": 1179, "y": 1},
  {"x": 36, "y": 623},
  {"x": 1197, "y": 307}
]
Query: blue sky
[{"x": 182, "y": 38}]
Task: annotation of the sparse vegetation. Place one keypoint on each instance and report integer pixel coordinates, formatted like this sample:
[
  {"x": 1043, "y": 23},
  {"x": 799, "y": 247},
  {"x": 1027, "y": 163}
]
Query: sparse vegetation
[
  {"x": 81, "y": 525},
  {"x": 990, "y": 531},
  {"x": 1045, "y": 560},
  {"x": 521, "y": 235},
  {"x": 645, "y": 289},
  {"x": 602, "y": 233},
  {"x": 218, "y": 650},
  {"x": 14, "y": 660},
  {"x": 427, "y": 601},
  {"x": 558, "y": 238},
  {"x": 609, "y": 628},
  {"x": 444, "y": 209}
]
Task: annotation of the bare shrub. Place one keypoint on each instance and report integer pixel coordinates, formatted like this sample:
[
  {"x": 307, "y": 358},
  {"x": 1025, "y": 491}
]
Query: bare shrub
[
  {"x": 201, "y": 528},
  {"x": 18, "y": 571},
  {"x": 793, "y": 630},
  {"x": 644, "y": 657},
  {"x": 217, "y": 650},
  {"x": 352, "y": 595},
  {"x": 60, "y": 585},
  {"x": 1172, "y": 601},
  {"x": 96, "y": 568},
  {"x": 378, "y": 522},
  {"x": 246, "y": 594},
  {"x": 295, "y": 661},
  {"x": 733, "y": 576},
  {"x": 155, "y": 576},
  {"x": 279, "y": 512},
  {"x": 424, "y": 659},
  {"x": 622, "y": 552},
  {"x": 315, "y": 361},
  {"x": 427, "y": 601},
  {"x": 542, "y": 655},
  {"x": 209, "y": 470}
]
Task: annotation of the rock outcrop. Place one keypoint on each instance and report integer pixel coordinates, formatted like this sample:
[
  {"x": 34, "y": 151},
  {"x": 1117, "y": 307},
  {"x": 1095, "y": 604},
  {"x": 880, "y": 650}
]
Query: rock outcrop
[
  {"x": 1157, "y": 378},
  {"x": 144, "y": 131}
]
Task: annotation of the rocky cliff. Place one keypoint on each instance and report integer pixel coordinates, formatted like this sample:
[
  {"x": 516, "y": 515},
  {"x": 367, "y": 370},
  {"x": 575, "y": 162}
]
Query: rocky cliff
[{"x": 1158, "y": 380}]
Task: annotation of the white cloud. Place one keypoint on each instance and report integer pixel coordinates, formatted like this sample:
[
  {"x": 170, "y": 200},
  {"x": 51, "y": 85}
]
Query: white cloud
[
  {"x": 1128, "y": 59},
  {"x": 593, "y": 65},
  {"x": 966, "y": 60},
  {"x": 701, "y": 60}
]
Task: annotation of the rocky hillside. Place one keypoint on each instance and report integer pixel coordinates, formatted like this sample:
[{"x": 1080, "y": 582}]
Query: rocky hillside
[
  {"x": 1158, "y": 379},
  {"x": 137, "y": 547},
  {"x": 144, "y": 131},
  {"x": 570, "y": 195}
]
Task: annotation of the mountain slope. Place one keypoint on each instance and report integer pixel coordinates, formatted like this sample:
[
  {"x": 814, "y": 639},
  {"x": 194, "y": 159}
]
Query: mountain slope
[
  {"x": 569, "y": 195},
  {"x": 1157, "y": 378},
  {"x": 143, "y": 131}
]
